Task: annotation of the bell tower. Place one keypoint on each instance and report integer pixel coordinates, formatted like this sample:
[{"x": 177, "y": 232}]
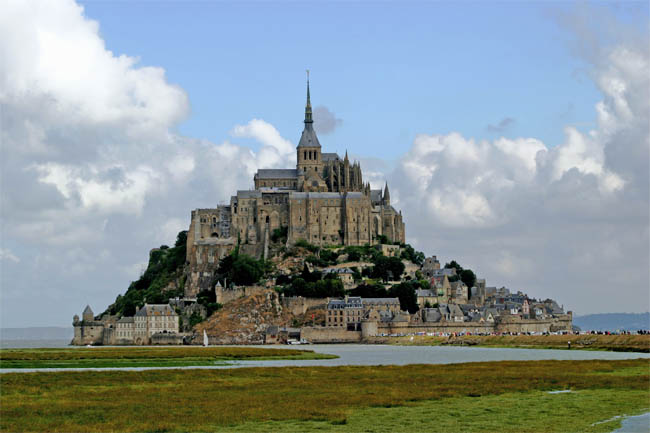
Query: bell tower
[{"x": 309, "y": 150}]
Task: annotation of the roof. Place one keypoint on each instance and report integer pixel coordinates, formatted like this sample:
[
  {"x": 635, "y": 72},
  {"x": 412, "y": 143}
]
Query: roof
[
  {"x": 375, "y": 195},
  {"x": 329, "y": 157},
  {"x": 125, "y": 320},
  {"x": 88, "y": 310},
  {"x": 308, "y": 137},
  {"x": 277, "y": 173},
  {"x": 155, "y": 310},
  {"x": 424, "y": 293},
  {"x": 329, "y": 195},
  {"x": 354, "y": 194},
  {"x": 248, "y": 194},
  {"x": 381, "y": 300},
  {"x": 338, "y": 271}
]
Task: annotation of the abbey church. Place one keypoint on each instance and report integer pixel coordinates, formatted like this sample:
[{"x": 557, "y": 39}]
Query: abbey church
[{"x": 323, "y": 201}]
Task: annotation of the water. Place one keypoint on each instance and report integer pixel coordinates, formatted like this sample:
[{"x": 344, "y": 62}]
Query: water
[
  {"x": 362, "y": 354},
  {"x": 34, "y": 344},
  {"x": 635, "y": 424}
]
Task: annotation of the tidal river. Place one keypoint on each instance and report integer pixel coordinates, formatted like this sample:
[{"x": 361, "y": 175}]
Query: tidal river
[{"x": 363, "y": 354}]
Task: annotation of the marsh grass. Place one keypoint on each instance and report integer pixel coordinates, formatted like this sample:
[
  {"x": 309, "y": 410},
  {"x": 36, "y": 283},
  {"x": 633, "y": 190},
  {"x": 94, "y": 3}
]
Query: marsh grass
[
  {"x": 101, "y": 357},
  {"x": 208, "y": 400},
  {"x": 617, "y": 343}
]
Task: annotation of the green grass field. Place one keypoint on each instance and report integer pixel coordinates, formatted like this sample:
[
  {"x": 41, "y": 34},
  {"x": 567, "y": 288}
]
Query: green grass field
[
  {"x": 504, "y": 396},
  {"x": 616, "y": 343},
  {"x": 98, "y": 357}
]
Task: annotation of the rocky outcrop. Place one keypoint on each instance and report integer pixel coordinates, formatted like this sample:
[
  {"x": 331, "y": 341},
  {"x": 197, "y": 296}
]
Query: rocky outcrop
[{"x": 244, "y": 320}]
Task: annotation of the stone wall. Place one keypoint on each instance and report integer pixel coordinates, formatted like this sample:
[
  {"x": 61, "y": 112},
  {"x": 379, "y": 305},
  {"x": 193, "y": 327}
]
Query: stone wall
[
  {"x": 517, "y": 324},
  {"x": 88, "y": 333},
  {"x": 297, "y": 305},
  {"x": 329, "y": 335},
  {"x": 166, "y": 339},
  {"x": 439, "y": 327},
  {"x": 227, "y": 295}
]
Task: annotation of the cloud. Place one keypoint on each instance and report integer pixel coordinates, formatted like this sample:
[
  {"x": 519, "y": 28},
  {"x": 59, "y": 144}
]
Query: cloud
[
  {"x": 502, "y": 126},
  {"x": 6, "y": 254},
  {"x": 567, "y": 221},
  {"x": 325, "y": 121},
  {"x": 93, "y": 176}
]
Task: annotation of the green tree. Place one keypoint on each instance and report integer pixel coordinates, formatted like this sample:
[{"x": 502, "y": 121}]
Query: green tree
[
  {"x": 246, "y": 270},
  {"x": 407, "y": 298},
  {"x": 467, "y": 276}
]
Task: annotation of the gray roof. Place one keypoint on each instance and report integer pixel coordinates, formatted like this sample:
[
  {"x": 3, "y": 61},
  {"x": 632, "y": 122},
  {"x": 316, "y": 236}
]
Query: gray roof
[
  {"x": 329, "y": 157},
  {"x": 156, "y": 310},
  {"x": 424, "y": 293},
  {"x": 354, "y": 194},
  {"x": 338, "y": 271},
  {"x": 308, "y": 137},
  {"x": 277, "y": 173},
  {"x": 335, "y": 195},
  {"x": 248, "y": 194},
  {"x": 382, "y": 301},
  {"x": 375, "y": 195},
  {"x": 88, "y": 310},
  {"x": 125, "y": 320}
]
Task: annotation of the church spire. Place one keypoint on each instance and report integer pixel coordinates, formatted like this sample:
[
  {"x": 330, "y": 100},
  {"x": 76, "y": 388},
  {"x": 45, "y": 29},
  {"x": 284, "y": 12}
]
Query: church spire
[
  {"x": 386, "y": 195},
  {"x": 308, "y": 118}
]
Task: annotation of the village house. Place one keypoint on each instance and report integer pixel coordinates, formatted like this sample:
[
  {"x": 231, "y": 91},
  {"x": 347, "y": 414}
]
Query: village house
[{"x": 154, "y": 319}]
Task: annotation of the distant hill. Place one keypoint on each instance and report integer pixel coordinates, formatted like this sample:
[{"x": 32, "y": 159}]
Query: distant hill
[
  {"x": 37, "y": 333},
  {"x": 613, "y": 322}
]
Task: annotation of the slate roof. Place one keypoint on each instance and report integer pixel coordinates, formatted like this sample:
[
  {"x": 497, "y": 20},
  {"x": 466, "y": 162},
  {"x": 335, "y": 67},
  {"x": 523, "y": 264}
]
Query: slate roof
[
  {"x": 375, "y": 195},
  {"x": 277, "y": 173},
  {"x": 155, "y": 310},
  {"x": 329, "y": 157},
  {"x": 421, "y": 293},
  {"x": 88, "y": 310},
  {"x": 337, "y": 271},
  {"x": 125, "y": 320},
  {"x": 308, "y": 137},
  {"x": 334, "y": 195},
  {"x": 249, "y": 194},
  {"x": 381, "y": 301}
]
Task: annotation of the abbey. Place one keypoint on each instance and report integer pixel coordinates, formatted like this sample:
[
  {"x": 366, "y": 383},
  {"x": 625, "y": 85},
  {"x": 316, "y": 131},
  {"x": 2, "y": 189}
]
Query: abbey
[{"x": 323, "y": 201}]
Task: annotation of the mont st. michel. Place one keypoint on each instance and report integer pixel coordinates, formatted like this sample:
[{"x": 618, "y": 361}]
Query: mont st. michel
[{"x": 311, "y": 254}]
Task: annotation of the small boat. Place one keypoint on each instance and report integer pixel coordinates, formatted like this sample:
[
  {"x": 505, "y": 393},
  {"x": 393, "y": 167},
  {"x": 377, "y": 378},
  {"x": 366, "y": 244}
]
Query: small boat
[{"x": 205, "y": 339}]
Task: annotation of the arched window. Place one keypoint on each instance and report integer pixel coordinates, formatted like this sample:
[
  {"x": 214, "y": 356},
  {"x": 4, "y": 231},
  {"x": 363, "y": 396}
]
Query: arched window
[
  {"x": 316, "y": 155},
  {"x": 267, "y": 219},
  {"x": 310, "y": 154}
]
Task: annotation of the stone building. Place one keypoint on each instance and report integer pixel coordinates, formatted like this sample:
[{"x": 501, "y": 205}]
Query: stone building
[
  {"x": 87, "y": 330},
  {"x": 324, "y": 201},
  {"x": 153, "y": 319},
  {"x": 348, "y": 313}
]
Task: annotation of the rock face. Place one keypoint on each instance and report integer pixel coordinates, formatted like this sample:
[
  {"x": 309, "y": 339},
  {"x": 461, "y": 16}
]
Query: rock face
[{"x": 244, "y": 320}]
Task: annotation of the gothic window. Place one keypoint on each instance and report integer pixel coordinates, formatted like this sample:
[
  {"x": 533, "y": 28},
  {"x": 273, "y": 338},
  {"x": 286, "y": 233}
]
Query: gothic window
[{"x": 305, "y": 155}]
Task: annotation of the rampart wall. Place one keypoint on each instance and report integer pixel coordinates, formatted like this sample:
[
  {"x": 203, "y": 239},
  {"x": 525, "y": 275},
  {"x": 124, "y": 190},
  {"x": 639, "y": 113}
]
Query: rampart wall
[{"x": 329, "y": 335}]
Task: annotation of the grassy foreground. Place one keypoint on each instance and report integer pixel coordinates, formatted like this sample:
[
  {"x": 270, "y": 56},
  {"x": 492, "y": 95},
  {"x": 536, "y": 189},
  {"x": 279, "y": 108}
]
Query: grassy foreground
[
  {"x": 143, "y": 356},
  {"x": 507, "y": 396},
  {"x": 617, "y": 343}
]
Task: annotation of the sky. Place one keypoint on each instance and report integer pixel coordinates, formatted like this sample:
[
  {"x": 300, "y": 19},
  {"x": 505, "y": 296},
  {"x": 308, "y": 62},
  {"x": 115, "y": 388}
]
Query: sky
[{"x": 514, "y": 136}]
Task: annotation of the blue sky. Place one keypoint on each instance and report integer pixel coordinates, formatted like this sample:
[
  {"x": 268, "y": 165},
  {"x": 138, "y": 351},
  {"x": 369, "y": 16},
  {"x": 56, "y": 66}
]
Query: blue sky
[
  {"x": 100, "y": 159},
  {"x": 389, "y": 70}
]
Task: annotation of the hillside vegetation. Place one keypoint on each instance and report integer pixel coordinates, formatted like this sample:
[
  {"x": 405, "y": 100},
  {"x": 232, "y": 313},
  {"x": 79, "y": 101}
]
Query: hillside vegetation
[{"x": 165, "y": 267}]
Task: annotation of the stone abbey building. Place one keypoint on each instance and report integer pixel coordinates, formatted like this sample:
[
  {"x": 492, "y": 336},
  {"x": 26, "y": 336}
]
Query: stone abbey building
[{"x": 323, "y": 201}]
